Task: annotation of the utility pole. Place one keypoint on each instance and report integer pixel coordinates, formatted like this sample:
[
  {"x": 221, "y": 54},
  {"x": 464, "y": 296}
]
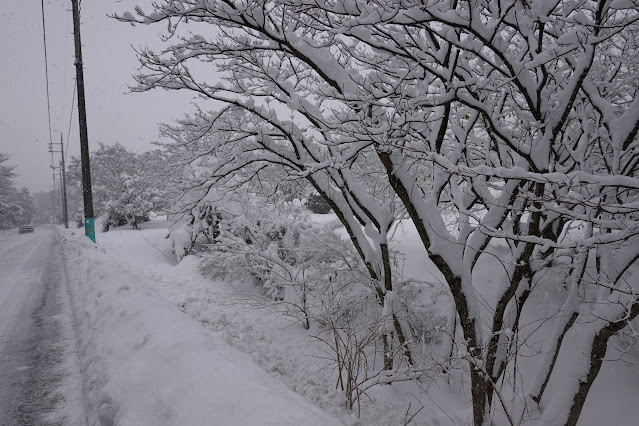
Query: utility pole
[
  {"x": 65, "y": 211},
  {"x": 89, "y": 224},
  {"x": 53, "y": 189},
  {"x": 54, "y": 194},
  {"x": 62, "y": 177},
  {"x": 53, "y": 199}
]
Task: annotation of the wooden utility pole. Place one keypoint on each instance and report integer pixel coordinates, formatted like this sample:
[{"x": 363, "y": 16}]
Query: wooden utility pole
[
  {"x": 53, "y": 200},
  {"x": 63, "y": 183},
  {"x": 89, "y": 224},
  {"x": 65, "y": 211}
]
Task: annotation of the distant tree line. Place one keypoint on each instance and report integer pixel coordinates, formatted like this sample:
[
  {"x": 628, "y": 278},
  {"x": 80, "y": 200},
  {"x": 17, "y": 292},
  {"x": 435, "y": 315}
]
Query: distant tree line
[
  {"x": 127, "y": 186},
  {"x": 16, "y": 204}
]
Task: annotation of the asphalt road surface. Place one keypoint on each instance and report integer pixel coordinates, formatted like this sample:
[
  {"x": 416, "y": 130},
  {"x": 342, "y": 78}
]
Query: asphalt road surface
[{"x": 40, "y": 382}]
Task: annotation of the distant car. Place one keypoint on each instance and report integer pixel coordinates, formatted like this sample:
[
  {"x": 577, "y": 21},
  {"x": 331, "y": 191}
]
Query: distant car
[{"x": 25, "y": 228}]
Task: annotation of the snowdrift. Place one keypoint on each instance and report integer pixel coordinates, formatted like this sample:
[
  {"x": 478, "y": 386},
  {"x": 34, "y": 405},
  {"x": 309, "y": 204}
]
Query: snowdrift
[{"x": 144, "y": 362}]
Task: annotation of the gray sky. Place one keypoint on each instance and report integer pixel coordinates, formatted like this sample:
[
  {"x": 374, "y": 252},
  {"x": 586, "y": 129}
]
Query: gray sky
[{"x": 113, "y": 115}]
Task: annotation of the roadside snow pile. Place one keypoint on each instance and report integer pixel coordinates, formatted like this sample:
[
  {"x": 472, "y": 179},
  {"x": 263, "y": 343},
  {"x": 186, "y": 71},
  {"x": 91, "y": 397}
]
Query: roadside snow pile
[{"x": 146, "y": 363}]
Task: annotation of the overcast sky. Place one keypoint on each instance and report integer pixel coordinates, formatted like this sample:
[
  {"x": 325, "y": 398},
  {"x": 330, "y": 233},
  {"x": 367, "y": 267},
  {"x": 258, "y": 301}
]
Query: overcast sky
[{"x": 113, "y": 115}]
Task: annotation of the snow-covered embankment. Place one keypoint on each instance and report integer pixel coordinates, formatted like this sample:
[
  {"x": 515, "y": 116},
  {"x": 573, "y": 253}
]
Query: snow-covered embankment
[{"x": 146, "y": 363}]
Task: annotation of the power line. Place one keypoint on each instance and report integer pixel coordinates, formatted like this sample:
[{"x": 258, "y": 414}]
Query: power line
[
  {"x": 46, "y": 72},
  {"x": 70, "y": 119},
  {"x": 66, "y": 63},
  {"x": 74, "y": 89},
  {"x": 66, "y": 154}
]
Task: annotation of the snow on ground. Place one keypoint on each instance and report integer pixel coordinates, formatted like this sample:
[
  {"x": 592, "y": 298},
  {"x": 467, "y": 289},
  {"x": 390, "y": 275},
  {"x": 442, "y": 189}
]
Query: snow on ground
[
  {"x": 233, "y": 315},
  {"x": 278, "y": 345},
  {"x": 40, "y": 382},
  {"x": 146, "y": 363}
]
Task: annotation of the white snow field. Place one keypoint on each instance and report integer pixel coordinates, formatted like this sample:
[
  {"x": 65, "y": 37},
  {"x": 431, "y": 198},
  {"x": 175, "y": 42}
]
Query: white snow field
[
  {"x": 147, "y": 363},
  {"x": 273, "y": 341}
]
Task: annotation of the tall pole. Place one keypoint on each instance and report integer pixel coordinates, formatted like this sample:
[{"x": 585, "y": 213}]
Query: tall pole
[
  {"x": 65, "y": 211},
  {"x": 53, "y": 202},
  {"x": 53, "y": 179},
  {"x": 89, "y": 225}
]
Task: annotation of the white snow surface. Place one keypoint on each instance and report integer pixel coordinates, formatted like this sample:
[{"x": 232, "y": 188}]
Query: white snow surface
[
  {"x": 235, "y": 314},
  {"x": 145, "y": 362}
]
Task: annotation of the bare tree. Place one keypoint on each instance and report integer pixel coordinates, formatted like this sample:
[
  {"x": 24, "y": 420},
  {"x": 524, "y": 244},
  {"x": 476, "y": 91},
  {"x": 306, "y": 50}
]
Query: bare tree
[
  {"x": 530, "y": 118},
  {"x": 274, "y": 116},
  {"x": 516, "y": 122}
]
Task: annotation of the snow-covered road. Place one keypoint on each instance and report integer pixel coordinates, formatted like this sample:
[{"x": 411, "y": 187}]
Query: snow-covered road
[{"x": 39, "y": 381}]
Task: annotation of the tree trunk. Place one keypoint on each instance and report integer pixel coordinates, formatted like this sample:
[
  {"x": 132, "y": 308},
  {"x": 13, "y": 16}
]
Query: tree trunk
[
  {"x": 570, "y": 415},
  {"x": 479, "y": 383},
  {"x": 598, "y": 351},
  {"x": 537, "y": 393},
  {"x": 597, "y": 354}
]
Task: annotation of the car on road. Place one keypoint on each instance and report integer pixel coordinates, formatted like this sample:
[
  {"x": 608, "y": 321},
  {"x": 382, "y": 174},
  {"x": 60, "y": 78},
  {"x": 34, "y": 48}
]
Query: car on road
[{"x": 25, "y": 228}]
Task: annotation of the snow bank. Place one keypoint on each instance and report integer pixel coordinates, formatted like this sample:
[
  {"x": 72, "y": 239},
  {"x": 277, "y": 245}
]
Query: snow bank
[{"x": 146, "y": 363}]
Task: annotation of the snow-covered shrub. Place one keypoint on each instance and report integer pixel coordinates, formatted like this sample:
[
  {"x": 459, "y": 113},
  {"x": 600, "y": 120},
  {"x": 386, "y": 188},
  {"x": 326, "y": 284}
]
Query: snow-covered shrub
[
  {"x": 265, "y": 244},
  {"x": 424, "y": 308},
  {"x": 131, "y": 203},
  {"x": 199, "y": 227},
  {"x": 311, "y": 273}
]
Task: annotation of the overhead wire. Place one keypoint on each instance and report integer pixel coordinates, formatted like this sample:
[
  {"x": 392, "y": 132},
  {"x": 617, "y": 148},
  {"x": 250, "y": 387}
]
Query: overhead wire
[
  {"x": 66, "y": 152},
  {"x": 64, "y": 75},
  {"x": 46, "y": 72}
]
